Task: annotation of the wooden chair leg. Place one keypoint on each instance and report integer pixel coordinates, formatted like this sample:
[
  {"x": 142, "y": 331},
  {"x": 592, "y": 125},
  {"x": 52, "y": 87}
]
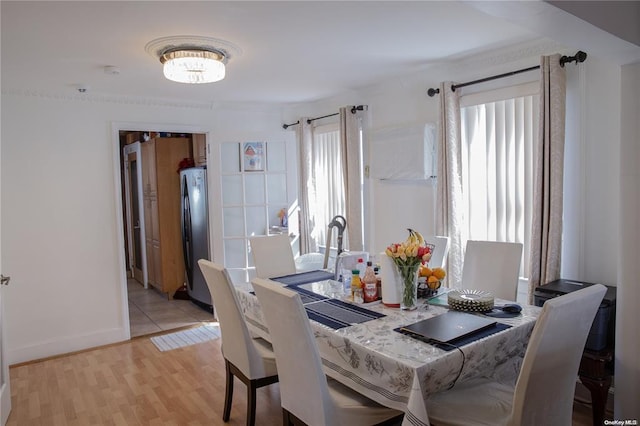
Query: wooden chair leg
[
  {"x": 289, "y": 419},
  {"x": 251, "y": 403},
  {"x": 228, "y": 394},
  {"x": 285, "y": 418},
  {"x": 252, "y": 385}
]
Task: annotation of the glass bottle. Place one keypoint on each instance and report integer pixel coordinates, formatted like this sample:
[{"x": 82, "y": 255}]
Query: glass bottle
[{"x": 369, "y": 284}]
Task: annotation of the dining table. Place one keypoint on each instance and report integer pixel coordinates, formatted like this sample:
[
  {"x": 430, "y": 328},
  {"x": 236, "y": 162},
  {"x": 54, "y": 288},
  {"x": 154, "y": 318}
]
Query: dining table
[{"x": 368, "y": 352}]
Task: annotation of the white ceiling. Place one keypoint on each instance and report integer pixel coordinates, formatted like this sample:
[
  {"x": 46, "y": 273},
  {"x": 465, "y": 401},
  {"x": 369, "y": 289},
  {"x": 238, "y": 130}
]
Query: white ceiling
[{"x": 296, "y": 51}]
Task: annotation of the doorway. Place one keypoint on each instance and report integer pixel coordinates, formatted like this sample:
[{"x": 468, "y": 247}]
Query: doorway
[{"x": 152, "y": 242}]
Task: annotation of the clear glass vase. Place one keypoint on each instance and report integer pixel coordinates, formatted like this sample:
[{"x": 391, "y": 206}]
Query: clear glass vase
[{"x": 408, "y": 286}]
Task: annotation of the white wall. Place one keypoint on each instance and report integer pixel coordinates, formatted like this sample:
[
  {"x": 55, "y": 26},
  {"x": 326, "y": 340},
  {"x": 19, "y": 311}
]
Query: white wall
[
  {"x": 602, "y": 141},
  {"x": 61, "y": 239},
  {"x": 399, "y": 204},
  {"x": 592, "y": 154},
  {"x": 627, "y": 366}
]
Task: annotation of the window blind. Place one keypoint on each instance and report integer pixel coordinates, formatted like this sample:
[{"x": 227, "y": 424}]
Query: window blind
[{"x": 497, "y": 161}]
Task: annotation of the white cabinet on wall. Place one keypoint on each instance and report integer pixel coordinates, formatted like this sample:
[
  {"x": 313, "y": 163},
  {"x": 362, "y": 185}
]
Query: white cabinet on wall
[
  {"x": 258, "y": 181},
  {"x": 404, "y": 152}
]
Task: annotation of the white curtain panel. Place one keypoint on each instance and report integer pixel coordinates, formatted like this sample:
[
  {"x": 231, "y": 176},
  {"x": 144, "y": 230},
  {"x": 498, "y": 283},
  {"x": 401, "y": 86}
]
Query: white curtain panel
[
  {"x": 449, "y": 203},
  {"x": 546, "y": 231},
  {"x": 307, "y": 187},
  {"x": 329, "y": 180},
  {"x": 351, "y": 129}
]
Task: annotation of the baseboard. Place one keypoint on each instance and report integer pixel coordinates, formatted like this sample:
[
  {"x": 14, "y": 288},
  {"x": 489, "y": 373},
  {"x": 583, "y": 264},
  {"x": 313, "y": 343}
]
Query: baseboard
[{"x": 65, "y": 345}]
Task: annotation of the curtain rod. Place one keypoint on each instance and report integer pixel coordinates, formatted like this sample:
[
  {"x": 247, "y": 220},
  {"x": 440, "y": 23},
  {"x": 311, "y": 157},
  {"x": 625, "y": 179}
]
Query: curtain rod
[
  {"x": 580, "y": 56},
  {"x": 353, "y": 111}
]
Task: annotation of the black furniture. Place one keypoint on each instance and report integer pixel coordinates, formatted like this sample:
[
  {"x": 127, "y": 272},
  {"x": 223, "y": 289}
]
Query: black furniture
[{"x": 596, "y": 366}]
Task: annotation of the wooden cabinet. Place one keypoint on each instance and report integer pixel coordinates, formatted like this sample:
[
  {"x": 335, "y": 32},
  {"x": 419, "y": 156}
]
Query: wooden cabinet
[
  {"x": 199, "y": 149},
  {"x": 161, "y": 192}
]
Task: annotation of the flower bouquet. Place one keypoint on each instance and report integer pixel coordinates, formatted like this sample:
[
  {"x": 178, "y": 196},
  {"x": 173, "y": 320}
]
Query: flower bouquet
[{"x": 408, "y": 256}]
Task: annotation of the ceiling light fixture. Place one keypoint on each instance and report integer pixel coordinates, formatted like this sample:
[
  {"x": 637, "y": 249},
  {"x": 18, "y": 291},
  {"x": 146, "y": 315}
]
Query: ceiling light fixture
[
  {"x": 193, "y": 65},
  {"x": 191, "y": 59}
]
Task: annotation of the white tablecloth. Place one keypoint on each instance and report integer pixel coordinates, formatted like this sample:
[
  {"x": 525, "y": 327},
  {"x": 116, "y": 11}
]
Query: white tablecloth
[{"x": 399, "y": 371}]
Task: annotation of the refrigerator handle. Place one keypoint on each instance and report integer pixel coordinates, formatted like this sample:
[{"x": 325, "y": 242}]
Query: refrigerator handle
[{"x": 186, "y": 232}]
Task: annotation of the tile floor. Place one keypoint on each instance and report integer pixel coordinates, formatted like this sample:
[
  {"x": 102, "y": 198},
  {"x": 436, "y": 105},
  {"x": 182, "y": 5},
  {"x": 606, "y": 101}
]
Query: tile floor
[{"x": 151, "y": 311}]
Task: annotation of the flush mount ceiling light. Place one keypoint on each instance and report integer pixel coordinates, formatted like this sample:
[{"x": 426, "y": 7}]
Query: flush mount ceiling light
[
  {"x": 193, "y": 65},
  {"x": 191, "y": 59}
]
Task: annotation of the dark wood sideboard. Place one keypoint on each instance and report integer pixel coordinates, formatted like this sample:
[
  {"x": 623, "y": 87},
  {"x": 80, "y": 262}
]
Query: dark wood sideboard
[{"x": 596, "y": 371}]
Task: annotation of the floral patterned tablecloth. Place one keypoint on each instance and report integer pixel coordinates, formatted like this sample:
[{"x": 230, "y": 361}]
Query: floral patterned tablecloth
[{"x": 399, "y": 371}]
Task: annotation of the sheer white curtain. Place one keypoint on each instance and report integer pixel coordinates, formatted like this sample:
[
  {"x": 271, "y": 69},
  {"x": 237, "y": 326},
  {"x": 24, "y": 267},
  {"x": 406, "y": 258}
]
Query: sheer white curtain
[
  {"x": 307, "y": 200},
  {"x": 449, "y": 204},
  {"x": 546, "y": 233},
  {"x": 329, "y": 181},
  {"x": 499, "y": 130}
]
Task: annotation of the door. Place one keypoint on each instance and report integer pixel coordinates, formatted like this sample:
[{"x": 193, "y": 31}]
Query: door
[
  {"x": 134, "y": 208},
  {"x": 5, "y": 388}
]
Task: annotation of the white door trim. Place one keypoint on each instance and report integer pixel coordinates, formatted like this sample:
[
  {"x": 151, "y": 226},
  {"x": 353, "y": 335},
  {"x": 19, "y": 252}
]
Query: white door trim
[{"x": 116, "y": 127}]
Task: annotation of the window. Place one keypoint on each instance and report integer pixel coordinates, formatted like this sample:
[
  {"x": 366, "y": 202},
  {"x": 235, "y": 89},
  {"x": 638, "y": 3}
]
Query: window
[
  {"x": 499, "y": 130},
  {"x": 329, "y": 183}
]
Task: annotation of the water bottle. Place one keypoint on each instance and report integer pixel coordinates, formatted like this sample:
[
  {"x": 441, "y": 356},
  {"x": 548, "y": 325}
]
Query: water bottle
[{"x": 346, "y": 281}]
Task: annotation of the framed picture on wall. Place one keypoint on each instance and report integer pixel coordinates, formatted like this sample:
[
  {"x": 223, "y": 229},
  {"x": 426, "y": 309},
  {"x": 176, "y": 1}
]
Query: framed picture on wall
[{"x": 253, "y": 156}]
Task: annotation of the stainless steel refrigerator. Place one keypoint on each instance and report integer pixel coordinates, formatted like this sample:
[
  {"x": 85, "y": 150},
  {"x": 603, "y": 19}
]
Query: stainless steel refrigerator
[{"x": 195, "y": 232}]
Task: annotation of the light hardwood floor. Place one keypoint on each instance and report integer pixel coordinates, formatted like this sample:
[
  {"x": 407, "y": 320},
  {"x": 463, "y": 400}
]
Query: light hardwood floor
[{"x": 133, "y": 383}]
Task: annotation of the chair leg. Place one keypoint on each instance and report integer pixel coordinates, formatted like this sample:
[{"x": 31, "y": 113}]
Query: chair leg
[
  {"x": 251, "y": 403},
  {"x": 228, "y": 394},
  {"x": 289, "y": 419},
  {"x": 286, "y": 421},
  {"x": 252, "y": 385}
]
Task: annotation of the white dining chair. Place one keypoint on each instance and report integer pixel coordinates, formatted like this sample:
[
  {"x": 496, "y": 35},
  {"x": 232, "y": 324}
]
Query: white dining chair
[
  {"x": 492, "y": 266},
  {"x": 249, "y": 359},
  {"x": 440, "y": 250},
  {"x": 272, "y": 256},
  {"x": 306, "y": 394},
  {"x": 544, "y": 391}
]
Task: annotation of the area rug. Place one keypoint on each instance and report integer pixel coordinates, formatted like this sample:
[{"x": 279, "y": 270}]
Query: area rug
[{"x": 180, "y": 339}]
